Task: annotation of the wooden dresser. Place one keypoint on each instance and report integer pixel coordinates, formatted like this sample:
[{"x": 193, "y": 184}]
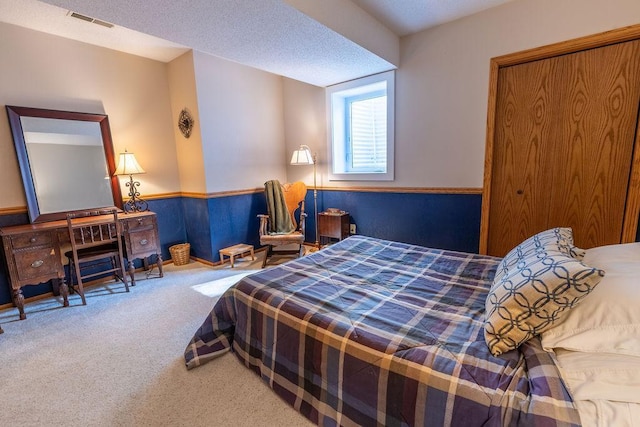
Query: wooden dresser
[{"x": 34, "y": 251}]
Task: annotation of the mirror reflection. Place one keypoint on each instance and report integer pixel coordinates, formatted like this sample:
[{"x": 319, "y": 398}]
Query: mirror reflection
[
  {"x": 66, "y": 161},
  {"x": 68, "y": 165}
]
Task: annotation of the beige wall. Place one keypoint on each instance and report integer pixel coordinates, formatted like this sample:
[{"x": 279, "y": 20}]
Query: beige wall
[
  {"x": 182, "y": 83},
  {"x": 442, "y": 86},
  {"x": 237, "y": 141},
  {"x": 442, "y": 83},
  {"x": 250, "y": 121},
  {"x": 305, "y": 124},
  {"x": 241, "y": 120},
  {"x": 40, "y": 70}
]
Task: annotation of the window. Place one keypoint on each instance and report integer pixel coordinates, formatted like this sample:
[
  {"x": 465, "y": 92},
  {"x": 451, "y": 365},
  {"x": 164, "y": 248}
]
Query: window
[{"x": 361, "y": 121}]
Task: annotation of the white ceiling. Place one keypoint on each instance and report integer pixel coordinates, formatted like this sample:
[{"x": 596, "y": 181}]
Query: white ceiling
[
  {"x": 405, "y": 17},
  {"x": 272, "y": 35}
]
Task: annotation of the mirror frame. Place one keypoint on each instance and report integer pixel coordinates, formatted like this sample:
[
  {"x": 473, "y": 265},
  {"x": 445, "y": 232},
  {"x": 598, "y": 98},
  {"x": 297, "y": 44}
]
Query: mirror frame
[{"x": 15, "y": 113}]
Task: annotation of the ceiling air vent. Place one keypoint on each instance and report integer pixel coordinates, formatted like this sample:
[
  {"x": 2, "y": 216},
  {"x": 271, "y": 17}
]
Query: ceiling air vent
[{"x": 90, "y": 19}]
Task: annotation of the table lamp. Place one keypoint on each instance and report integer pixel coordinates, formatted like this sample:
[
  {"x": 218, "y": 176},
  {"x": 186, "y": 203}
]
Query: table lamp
[{"x": 128, "y": 165}]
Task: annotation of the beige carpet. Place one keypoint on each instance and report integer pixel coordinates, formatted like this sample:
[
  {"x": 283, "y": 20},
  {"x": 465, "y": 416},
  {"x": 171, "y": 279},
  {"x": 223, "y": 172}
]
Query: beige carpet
[{"x": 118, "y": 360}]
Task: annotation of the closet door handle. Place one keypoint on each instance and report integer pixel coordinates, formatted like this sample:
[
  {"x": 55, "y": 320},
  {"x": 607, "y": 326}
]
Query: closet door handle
[{"x": 520, "y": 192}]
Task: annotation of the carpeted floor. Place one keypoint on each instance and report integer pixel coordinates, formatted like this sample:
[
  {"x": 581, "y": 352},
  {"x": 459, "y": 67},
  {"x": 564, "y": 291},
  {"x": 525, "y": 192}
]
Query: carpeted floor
[{"x": 118, "y": 360}]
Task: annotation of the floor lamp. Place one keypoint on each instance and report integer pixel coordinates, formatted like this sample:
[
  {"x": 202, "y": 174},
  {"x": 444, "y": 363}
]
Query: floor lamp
[{"x": 303, "y": 156}]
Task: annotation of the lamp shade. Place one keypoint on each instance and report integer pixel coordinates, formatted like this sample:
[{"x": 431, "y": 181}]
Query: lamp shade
[
  {"x": 302, "y": 156},
  {"x": 128, "y": 165}
]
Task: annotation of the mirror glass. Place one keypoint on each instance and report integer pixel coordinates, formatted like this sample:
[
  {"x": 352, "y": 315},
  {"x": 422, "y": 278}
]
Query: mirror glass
[{"x": 66, "y": 161}]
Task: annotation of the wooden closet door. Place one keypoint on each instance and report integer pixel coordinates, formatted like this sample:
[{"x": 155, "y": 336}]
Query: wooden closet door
[
  {"x": 528, "y": 98},
  {"x": 563, "y": 145},
  {"x": 597, "y": 136}
]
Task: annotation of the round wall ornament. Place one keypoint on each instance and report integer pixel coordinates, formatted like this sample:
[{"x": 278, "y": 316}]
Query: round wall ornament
[{"x": 185, "y": 122}]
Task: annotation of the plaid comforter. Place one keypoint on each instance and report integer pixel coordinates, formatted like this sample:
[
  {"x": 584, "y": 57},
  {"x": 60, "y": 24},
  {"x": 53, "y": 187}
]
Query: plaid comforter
[{"x": 372, "y": 332}]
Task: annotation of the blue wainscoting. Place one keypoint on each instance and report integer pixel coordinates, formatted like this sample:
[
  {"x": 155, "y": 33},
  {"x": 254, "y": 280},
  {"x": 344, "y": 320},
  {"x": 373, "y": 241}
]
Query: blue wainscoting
[
  {"x": 449, "y": 221},
  {"x": 234, "y": 219},
  {"x": 446, "y": 221},
  {"x": 196, "y": 219},
  {"x": 171, "y": 223},
  {"x": 217, "y": 222}
]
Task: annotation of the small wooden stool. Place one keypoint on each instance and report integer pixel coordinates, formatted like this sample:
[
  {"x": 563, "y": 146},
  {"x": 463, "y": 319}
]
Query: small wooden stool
[{"x": 235, "y": 250}]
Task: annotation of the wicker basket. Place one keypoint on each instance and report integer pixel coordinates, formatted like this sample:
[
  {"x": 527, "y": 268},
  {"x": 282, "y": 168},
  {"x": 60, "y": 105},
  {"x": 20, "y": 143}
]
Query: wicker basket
[{"x": 180, "y": 253}]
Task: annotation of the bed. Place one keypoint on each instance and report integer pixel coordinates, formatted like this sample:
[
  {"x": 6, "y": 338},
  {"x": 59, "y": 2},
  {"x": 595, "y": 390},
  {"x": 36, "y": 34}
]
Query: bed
[
  {"x": 597, "y": 345},
  {"x": 375, "y": 332}
]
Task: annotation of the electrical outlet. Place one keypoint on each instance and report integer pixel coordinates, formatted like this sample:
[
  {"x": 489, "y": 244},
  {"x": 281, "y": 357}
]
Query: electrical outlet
[{"x": 352, "y": 229}]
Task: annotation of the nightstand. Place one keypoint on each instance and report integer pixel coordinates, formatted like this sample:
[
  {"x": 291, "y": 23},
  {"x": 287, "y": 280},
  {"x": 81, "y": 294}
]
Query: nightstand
[{"x": 333, "y": 225}]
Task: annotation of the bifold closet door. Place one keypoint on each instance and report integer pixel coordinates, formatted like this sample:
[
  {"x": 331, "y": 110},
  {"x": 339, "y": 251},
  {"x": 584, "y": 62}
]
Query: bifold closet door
[{"x": 563, "y": 146}]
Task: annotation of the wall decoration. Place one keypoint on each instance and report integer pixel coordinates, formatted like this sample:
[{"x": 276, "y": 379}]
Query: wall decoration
[{"x": 185, "y": 122}]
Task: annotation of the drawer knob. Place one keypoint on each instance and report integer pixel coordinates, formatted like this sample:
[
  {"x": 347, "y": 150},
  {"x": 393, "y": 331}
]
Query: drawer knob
[
  {"x": 38, "y": 263},
  {"x": 33, "y": 240},
  {"x": 144, "y": 242}
]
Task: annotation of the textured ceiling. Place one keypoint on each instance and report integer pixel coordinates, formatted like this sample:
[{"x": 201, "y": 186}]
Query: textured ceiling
[
  {"x": 405, "y": 17},
  {"x": 271, "y": 35},
  {"x": 50, "y": 19}
]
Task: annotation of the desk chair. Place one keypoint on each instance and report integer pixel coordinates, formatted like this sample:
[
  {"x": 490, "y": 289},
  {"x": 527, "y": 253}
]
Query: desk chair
[
  {"x": 95, "y": 241},
  {"x": 293, "y": 197}
]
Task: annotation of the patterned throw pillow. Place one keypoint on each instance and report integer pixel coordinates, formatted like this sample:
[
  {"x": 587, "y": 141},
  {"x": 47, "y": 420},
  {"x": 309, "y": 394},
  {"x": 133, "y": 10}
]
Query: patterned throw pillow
[
  {"x": 556, "y": 239},
  {"x": 533, "y": 295},
  {"x": 577, "y": 253}
]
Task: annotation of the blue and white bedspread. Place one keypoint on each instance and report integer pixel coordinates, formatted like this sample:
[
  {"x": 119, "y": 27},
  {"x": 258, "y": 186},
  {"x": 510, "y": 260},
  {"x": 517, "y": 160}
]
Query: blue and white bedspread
[{"x": 372, "y": 332}]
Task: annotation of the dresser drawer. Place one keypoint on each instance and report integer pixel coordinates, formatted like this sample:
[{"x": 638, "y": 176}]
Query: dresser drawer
[
  {"x": 30, "y": 240},
  {"x": 134, "y": 224},
  {"x": 36, "y": 263},
  {"x": 142, "y": 242}
]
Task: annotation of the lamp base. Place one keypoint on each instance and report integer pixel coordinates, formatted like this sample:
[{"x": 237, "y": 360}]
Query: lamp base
[
  {"x": 136, "y": 205},
  {"x": 135, "y": 202}
]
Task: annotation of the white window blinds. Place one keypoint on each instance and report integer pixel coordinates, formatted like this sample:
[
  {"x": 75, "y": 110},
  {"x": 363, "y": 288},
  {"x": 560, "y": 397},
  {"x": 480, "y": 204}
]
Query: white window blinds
[{"x": 368, "y": 135}]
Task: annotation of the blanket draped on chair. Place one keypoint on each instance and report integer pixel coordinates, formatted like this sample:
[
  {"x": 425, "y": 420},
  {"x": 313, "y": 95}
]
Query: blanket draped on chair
[{"x": 279, "y": 218}]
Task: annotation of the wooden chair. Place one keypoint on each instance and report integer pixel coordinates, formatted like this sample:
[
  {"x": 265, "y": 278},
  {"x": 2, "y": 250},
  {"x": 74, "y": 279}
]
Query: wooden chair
[
  {"x": 95, "y": 242},
  {"x": 294, "y": 195}
]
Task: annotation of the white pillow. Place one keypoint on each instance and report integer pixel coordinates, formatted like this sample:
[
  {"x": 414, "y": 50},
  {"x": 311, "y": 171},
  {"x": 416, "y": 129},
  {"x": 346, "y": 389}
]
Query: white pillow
[
  {"x": 608, "y": 319},
  {"x": 600, "y": 376}
]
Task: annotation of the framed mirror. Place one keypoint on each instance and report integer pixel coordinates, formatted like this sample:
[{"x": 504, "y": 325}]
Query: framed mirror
[{"x": 66, "y": 161}]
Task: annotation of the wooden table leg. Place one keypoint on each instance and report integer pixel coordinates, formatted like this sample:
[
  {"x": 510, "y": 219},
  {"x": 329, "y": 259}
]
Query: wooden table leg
[
  {"x": 64, "y": 291},
  {"x": 18, "y": 301},
  {"x": 159, "y": 263},
  {"x": 55, "y": 287},
  {"x": 132, "y": 272}
]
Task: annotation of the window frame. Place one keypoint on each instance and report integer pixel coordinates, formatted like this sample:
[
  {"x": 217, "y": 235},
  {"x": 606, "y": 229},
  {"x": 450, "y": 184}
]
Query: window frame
[{"x": 337, "y": 126}]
